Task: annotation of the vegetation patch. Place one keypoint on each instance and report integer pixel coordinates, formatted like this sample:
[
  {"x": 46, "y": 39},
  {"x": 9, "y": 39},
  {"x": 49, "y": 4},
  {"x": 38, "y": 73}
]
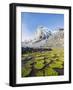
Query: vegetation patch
[
  {"x": 26, "y": 71},
  {"x": 44, "y": 63},
  {"x": 50, "y": 72}
]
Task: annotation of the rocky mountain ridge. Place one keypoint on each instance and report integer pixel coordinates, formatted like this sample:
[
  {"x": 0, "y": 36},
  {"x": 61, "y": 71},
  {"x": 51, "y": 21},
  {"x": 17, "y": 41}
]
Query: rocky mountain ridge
[{"x": 44, "y": 38}]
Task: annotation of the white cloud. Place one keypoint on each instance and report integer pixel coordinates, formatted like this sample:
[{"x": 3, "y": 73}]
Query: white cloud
[{"x": 25, "y": 33}]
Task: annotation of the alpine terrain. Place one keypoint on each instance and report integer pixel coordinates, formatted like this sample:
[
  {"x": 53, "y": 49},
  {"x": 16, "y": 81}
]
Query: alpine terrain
[
  {"x": 44, "y": 38},
  {"x": 44, "y": 54}
]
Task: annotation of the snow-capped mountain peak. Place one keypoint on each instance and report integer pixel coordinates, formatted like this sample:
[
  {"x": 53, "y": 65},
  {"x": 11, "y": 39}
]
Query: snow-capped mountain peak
[
  {"x": 42, "y": 33},
  {"x": 44, "y": 37}
]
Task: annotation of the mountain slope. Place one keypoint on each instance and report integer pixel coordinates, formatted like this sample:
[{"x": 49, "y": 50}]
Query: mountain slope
[
  {"x": 56, "y": 40},
  {"x": 46, "y": 39}
]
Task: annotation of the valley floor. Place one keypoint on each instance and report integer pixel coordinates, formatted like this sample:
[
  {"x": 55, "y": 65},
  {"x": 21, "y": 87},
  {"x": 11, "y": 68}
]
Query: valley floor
[{"x": 43, "y": 63}]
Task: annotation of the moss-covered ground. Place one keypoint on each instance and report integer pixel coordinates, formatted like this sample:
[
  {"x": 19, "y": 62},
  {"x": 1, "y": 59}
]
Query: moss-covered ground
[{"x": 45, "y": 63}]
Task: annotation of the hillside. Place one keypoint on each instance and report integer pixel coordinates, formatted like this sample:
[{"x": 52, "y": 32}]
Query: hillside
[
  {"x": 44, "y": 54},
  {"x": 56, "y": 40},
  {"x": 44, "y": 38}
]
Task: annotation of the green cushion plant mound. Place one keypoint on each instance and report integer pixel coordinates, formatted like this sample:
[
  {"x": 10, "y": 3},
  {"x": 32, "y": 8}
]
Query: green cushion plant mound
[
  {"x": 56, "y": 65},
  {"x": 26, "y": 71},
  {"x": 39, "y": 73},
  {"x": 47, "y": 61},
  {"x": 38, "y": 65},
  {"x": 50, "y": 72}
]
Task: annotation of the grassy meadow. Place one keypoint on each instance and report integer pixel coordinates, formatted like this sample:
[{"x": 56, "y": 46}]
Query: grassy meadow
[{"x": 45, "y": 63}]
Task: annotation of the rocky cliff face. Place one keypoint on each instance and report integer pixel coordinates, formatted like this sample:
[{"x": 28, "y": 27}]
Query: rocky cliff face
[
  {"x": 45, "y": 38},
  {"x": 56, "y": 40},
  {"x": 42, "y": 33}
]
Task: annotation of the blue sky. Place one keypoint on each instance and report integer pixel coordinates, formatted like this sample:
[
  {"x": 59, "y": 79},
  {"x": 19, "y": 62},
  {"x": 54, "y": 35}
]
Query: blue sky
[{"x": 30, "y": 22}]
